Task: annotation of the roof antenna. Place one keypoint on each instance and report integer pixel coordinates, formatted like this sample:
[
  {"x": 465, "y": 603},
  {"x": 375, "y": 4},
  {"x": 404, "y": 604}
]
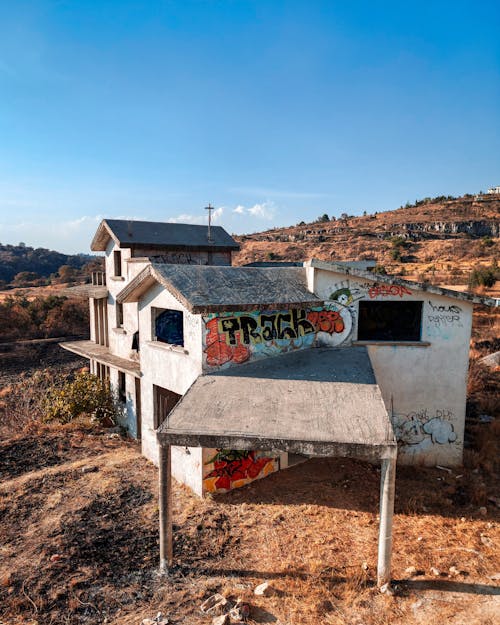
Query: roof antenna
[{"x": 209, "y": 208}]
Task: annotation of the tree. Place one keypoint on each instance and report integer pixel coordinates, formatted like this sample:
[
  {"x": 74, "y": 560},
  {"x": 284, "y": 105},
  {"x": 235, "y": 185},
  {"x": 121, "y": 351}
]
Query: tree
[{"x": 67, "y": 273}]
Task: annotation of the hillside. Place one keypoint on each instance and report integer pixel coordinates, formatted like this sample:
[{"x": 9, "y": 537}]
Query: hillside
[
  {"x": 439, "y": 240},
  {"x": 15, "y": 259}
]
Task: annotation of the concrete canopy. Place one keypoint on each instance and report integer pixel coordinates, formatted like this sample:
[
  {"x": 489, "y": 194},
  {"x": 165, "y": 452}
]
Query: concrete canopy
[{"x": 322, "y": 402}]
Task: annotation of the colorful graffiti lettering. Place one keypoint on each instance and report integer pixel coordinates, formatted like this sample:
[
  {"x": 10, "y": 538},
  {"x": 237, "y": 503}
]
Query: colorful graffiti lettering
[
  {"x": 421, "y": 429},
  {"x": 236, "y": 338},
  {"x": 218, "y": 352},
  {"x": 388, "y": 290},
  {"x": 233, "y": 468},
  {"x": 328, "y": 321}
]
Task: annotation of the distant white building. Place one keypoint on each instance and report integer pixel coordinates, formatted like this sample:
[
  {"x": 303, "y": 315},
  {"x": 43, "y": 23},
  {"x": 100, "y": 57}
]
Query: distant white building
[{"x": 494, "y": 191}]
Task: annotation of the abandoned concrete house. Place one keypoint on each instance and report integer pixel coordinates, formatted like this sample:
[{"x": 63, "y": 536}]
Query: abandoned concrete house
[
  {"x": 171, "y": 308},
  {"x": 228, "y": 374}
]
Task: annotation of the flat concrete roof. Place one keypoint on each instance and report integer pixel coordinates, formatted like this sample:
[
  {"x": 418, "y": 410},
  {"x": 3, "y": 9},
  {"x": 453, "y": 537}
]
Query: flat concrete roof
[
  {"x": 101, "y": 353},
  {"x": 319, "y": 401}
]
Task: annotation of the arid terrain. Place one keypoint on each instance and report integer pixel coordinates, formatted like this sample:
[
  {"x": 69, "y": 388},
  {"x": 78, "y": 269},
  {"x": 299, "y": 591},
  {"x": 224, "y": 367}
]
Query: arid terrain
[{"x": 79, "y": 510}]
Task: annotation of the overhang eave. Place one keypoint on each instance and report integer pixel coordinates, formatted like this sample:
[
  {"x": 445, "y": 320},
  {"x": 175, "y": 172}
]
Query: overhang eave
[{"x": 309, "y": 447}]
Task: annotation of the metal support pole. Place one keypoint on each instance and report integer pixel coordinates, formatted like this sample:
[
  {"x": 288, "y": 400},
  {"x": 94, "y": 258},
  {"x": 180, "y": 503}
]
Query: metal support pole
[
  {"x": 165, "y": 505},
  {"x": 387, "y": 488}
]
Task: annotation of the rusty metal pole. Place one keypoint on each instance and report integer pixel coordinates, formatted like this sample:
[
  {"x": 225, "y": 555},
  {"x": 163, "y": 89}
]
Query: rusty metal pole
[
  {"x": 387, "y": 489},
  {"x": 165, "y": 506}
]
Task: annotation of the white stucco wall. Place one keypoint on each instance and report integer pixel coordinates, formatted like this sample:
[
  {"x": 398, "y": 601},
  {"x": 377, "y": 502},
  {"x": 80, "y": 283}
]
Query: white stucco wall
[
  {"x": 173, "y": 368},
  {"x": 424, "y": 387}
]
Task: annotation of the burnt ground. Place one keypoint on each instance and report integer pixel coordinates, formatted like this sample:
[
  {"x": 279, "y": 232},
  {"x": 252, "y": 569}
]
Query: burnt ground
[
  {"x": 28, "y": 357},
  {"x": 79, "y": 540}
]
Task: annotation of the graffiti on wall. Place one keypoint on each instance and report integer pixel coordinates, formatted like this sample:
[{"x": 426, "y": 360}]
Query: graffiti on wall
[
  {"x": 239, "y": 337},
  {"x": 445, "y": 316},
  {"x": 348, "y": 292},
  {"x": 423, "y": 429},
  {"x": 231, "y": 468},
  {"x": 388, "y": 290}
]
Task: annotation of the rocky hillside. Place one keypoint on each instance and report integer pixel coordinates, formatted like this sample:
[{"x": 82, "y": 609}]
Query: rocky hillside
[{"x": 441, "y": 238}]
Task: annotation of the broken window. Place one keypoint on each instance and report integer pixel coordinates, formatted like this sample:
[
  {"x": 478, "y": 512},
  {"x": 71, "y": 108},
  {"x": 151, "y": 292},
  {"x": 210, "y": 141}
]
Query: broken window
[
  {"x": 169, "y": 327},
  {"x": 390, "y": 321}
]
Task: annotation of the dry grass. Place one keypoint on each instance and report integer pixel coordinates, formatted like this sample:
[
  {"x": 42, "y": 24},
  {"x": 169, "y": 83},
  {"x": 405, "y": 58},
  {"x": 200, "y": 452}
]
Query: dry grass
[{"x": 81, "y": 547}]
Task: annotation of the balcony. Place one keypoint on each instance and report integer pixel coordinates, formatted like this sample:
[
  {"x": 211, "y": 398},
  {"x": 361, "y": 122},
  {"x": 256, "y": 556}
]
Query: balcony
[{"x": 102, "y": 354}]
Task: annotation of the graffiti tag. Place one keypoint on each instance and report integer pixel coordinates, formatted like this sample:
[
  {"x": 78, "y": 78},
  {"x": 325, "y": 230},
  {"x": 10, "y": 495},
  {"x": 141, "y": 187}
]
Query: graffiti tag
[
  {"x": 388, "y": 290},
  {"x": 417, "y": 428},
  {"x": 444, "y": 315}
]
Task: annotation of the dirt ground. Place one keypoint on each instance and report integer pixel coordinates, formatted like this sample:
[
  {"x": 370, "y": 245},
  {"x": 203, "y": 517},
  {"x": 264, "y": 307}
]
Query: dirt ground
[{"x": 79, "y": 540}]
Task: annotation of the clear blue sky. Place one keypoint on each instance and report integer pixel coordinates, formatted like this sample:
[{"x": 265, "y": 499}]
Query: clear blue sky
[{"x": 273, "y": 111}]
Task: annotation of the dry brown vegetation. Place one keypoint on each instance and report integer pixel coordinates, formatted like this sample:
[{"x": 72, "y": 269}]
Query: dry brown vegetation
[
  {"x": 433, "y": 251},
  {"x": 79, "y": 527},
  {"x": 79, "y": 512}
]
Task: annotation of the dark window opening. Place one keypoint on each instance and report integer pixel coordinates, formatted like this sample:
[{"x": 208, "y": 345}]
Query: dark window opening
[
  {"x": 117, "y": 257},
  {"x": 390, "y": 321},
  {"x": 122, "y": 395},
  {"x": 165, "y": 400},
  {"x": 135, "y": 341},
  {"x": 169, "y": 327},
  {"x": 119, "y": 315}
]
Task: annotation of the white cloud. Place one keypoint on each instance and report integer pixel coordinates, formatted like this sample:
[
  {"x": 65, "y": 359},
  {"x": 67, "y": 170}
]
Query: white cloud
[
  {"x": 264, "y": 210},
  {"x": 200, "y": 219}
]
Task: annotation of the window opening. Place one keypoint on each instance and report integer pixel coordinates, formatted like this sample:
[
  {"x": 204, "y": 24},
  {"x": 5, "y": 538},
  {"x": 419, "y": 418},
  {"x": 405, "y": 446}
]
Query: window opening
[
  {"x": 119, "y": 315},
  {"x": 390, "y": 321},
  {"x": 169, "y": 327},
  {"x": 117, "y": 257},
  {"x": 122, "y": 395},
  {"x": 165, "y": 400}
]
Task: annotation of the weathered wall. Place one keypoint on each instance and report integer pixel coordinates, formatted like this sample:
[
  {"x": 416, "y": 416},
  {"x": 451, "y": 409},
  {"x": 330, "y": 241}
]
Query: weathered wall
[
  {"x": 234, "y": 338},
  {"x": 127, "y": 417},
  {"x": 423, "y": 386},
  {"x": 172, "y": 367},
  {"x": 185, "y": 257}
]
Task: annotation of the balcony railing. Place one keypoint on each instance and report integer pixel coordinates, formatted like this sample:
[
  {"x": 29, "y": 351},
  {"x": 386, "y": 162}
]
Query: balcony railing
[{"x": 98, "y": 278}]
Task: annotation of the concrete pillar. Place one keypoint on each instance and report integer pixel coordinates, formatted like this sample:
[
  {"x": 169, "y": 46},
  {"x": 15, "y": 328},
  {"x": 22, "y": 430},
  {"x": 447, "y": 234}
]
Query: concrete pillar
[
  {"x": 165, "y": 506},
  {"x": 387, "y": 488}
]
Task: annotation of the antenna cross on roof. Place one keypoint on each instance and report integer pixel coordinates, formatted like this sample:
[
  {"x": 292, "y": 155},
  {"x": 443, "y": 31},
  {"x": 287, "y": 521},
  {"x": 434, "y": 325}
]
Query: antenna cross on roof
[{"x": 209, "y": 208}]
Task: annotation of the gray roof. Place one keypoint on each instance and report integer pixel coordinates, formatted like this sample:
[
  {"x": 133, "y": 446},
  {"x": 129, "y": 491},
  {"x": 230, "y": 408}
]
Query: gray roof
[
  {"x": 129, "y": 233},
  {"x": 202, "y": 288},
  {"x": 322, "y": 401}
]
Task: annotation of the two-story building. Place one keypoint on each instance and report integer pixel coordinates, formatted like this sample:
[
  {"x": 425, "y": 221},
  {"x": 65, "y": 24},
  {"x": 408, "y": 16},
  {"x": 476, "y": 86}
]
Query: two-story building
[{"x": 174, "y": 311}]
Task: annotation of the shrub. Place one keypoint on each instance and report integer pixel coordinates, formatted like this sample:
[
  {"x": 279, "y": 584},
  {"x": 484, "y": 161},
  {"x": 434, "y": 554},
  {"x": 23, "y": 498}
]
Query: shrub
[
  {"x": 484, "y": 276},
  {"x": 85, "y": 395}
]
